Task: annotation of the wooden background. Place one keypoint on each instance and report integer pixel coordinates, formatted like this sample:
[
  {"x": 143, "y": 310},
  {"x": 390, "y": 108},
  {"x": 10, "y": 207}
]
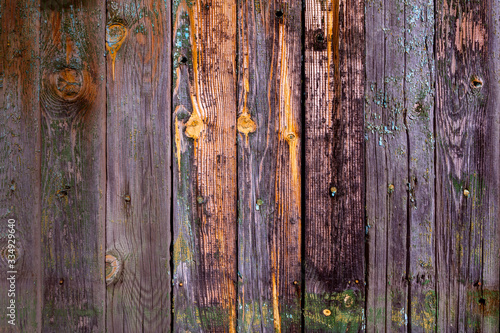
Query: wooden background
[{"x": 251, "y": 166}]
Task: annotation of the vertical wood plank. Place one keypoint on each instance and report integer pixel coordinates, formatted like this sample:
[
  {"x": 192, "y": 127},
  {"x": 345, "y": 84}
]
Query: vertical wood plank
[
  {"x": 387, "y": 168},
  {"x": 419, "y": 94},
  {"x": 490, "y": 291},
  {"x": 466, "y": 169},
  {"x": 400, "y": 174},
  {"x": 334, "y": 166},
  {"x": 20, "y": 166},
  {"x": 269, "y": 125},
  {"x": 204, "y": 101},
  {"x": 138, "y": 166},
  {"x": 73, "y": 165}
]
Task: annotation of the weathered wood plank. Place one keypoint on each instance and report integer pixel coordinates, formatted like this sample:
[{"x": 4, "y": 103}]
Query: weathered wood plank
[
  {"x": 73, "y": 165},
  {"x": 204, "y": 101},
  {"x": 269, "y": 125},
  {"x": 400, "y": 158},
  {"x": 138, "y": 166},
  {"x": 491, "y": 159},
  {"x": 466, "y": 167},
  {"x": 387, "y": 168},
  {"x": 20, "y": 166},
  {"x": 419, "y": 83},
  {"x": 334, "y": 166}
]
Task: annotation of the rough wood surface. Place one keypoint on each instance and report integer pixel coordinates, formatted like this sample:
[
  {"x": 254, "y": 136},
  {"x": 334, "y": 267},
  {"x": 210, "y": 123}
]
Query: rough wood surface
[
  {"x": 400, "y": 166},
  {"x": 467, "y": 173},
  {"x": 312, "y": 176},
  {"x": 205, "y": 180},
  {"x": 20, "y": 164},
  {"x": 138, "y": 166},
  {"x": 334, "y": 166},
  {"x": 269, "y": 180},
  {"x": 491, "y": 205},
  {"x": 73, "y": 105}
]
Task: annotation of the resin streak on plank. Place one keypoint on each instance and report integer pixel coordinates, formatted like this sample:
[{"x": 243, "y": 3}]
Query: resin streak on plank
[
  {"x": 204, "y": 120},
  {"x": 269, "y": 180}
]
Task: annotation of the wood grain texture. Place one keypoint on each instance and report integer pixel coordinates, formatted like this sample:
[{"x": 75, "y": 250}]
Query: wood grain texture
[
  {"x": 334, "y": 166},
  {"x": 20, "y": 164},
  {"x": 138, "y": 227},
  {"x": 269, "y": 166},
  {"x": 467, "y": 167},
  {"x": 400, "y": 173},
  {"x": 73, "y": 105},
  {"x": 491, "y": 234},
  {"x": 204, "y": 101}
]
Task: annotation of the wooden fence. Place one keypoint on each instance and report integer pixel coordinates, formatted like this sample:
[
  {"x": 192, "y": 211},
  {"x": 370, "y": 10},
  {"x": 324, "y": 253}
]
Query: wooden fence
[{"x": 249, "y": 165}]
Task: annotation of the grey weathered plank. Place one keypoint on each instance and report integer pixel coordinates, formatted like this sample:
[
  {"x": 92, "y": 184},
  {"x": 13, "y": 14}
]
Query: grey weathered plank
[
  {"x": 269, "y": 166},
  {"x": 138, "y": 166},
  {"x": 20, "y": 164},
  {"x": 73, "y": 161},
  {"x": 467, "y": 173},
  {"x": 387, "y": 167},
  {"x": 334, "y": 166},
  {"x": 491, "y": 159},
  {"x": 204, "y": 119},
  {"x": 400, "y": 147}
]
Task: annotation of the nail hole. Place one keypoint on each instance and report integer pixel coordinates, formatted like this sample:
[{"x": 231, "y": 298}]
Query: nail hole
[
  {"x": 127, "y": 198},
  {"x": 482, "y": 301},
  {"x": 320, "y": 38},
  {"x": 184, "y": 60},
  {"x": 279, "y": 13},
  {"x": 61, "y": 281}
]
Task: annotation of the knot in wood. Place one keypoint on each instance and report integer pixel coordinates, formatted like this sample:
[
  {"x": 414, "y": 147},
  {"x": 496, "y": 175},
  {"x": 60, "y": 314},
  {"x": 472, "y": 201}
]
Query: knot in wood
[
  {"x": 246, "y": 124},
  {"x": 115, "y": 36},
  {"x": 113, "y": 269},
  {"x": 194, "y": 126},
  {"x": 69, "y": 83},
  {"x": 476, "y": 83},
  {"x": 7, "y": 251},
  {"x": 66, "y": 91},
  {"x": 348, "y": 301},
  {"x": 290, "y": 137}
]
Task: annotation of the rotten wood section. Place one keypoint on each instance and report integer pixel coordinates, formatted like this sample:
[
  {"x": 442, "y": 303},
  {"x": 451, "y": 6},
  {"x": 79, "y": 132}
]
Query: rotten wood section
[
  {"x": 204, "y": 177},
  {"x": 20, "y": 140},
  {"x": 73, "y": 178},
  {"x": 138, "y": 166},
  {"x": 400, "y": 150},
  {"x": 334, "y": 230},
  {"x": 269, "y": 166},
  {"x": 467, "y": 172}
]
